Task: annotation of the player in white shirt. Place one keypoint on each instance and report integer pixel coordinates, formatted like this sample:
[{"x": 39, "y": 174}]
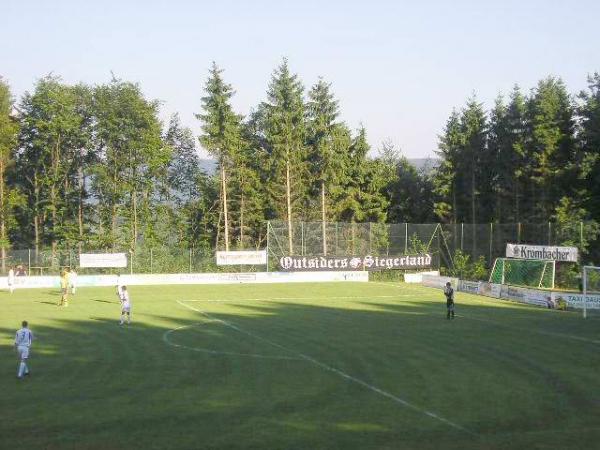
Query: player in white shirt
[
  {"x": 119, "y": 286},
  {"x": 11, "y": 280},
  {"x": 125, "y": 305},
  {"x": 23, "y": 340},
  {"x": 73, "y": 280}
]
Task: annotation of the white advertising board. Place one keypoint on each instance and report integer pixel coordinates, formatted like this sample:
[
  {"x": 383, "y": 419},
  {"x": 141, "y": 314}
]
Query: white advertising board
[
  {"x": 418, "y": 277},
  {"x": 490, "y": 289},
  {"x": 191, "y": 278},
  {"x": 553, "y": 253},
  {"x": 575, "y": 300},
  {"x": 103, "y": 260},
  {"x": 472, "y": 287},
  {"x": 438, "y": 282},
  {"x": 255, "y": 258},
  {"x": 529, "y": 296}
]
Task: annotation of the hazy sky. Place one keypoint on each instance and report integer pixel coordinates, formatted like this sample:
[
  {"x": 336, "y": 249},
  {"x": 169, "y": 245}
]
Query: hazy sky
[{"x": 397, "y": 67}]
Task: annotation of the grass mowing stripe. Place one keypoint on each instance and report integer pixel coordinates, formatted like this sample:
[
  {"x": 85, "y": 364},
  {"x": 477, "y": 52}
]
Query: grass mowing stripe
[
  {"x": 267, "y": 299},
  {"x": 548, "y": 333},
  {"x": 334, "y": 370},
  {"x": 490, "y": 301}
]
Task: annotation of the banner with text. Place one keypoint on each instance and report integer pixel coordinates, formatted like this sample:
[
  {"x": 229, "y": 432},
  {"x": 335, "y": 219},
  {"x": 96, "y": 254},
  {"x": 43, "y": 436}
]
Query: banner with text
[
  {"x": 103, "y": 260},
  {"x": 254, "y": 258},
  {"x": 472, "y": 287},
  {"x": 575, "y": 300},
  {"x": 529, "y": 296},
  {"x": 368, "y": 262},
  {"x": 523, "y": 251}
]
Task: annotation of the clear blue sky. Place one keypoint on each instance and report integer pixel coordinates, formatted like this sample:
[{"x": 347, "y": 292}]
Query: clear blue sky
[{"x": 397, "y": 67}]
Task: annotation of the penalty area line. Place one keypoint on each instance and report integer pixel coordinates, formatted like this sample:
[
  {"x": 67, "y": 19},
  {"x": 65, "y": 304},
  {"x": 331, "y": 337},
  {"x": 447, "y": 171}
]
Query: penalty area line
[{"x": 329, "y": 368}]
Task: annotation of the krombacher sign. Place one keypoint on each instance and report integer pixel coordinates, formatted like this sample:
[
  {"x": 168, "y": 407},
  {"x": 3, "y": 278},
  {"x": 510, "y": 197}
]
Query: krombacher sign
[
  {"x": 553, "y": 253},
  {"x": 368, "y": 262}
]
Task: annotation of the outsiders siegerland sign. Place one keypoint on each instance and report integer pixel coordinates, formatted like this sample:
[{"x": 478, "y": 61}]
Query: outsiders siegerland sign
[
  {"x": 553, "y": 253},
  {"x": 368, "y": 262}
]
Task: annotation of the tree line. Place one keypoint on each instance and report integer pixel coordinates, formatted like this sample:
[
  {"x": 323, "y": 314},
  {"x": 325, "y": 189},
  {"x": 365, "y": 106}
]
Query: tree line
[
  {"x": 533, "y": 158},
  {"x": 93, "y": 167}
]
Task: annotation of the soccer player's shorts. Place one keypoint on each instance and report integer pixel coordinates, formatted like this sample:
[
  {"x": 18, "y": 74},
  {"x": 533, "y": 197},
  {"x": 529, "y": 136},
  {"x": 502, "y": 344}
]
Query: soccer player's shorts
[
  {"x": 451, "y": 307},
  {"x": 126, "y": 309},
  {"x": 65, "y": 291},
  {"x": 23, "y": 351}
]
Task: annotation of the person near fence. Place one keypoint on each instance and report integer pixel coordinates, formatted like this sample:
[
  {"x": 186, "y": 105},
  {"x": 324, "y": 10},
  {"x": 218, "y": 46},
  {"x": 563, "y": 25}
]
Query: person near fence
[
  {"x": 11, "y": 280},
  {"x": 125, "y": 305},
  {"x": 449, "y": 293},
  {"x": 21, "y": 272},
  {"x": 72, "y": 280},
  {"x": 64, "y": 287},
  {"x": 119, "y": 286},
  {"x": 23, "y": 340}
]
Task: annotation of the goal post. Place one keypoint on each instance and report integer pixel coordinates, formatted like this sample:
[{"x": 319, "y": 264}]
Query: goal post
[
  {"x": 536, "y": 273},
  {"x": 590, "y": 284}
]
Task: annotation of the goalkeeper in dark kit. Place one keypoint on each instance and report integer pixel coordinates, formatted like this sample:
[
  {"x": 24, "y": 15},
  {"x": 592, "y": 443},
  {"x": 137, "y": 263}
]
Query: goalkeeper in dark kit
[{"x": 449, "y": 293}]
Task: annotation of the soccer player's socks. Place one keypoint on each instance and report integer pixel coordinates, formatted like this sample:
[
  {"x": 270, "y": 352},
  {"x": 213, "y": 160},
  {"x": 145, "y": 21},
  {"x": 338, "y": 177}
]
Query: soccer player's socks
[{"x": 21, "y": 369}]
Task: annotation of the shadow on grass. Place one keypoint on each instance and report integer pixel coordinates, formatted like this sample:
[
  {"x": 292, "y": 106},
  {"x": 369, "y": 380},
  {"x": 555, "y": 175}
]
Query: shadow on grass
[
  {"x": 185, "y": 376},
  {"x": 104, "y": 301}
]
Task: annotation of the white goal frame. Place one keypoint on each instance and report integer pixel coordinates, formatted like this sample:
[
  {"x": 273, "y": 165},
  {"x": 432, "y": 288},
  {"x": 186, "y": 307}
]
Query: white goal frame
[{"x": 584, "y": 282}]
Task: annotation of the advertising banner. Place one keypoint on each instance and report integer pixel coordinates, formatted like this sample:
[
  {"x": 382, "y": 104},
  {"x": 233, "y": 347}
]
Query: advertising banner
[
  {"x": 368, "y": 262},
  {"x": 524, "y": 251},
  {"x": 103, "y": 260},
  {"x": 490, "y": 289},
  {"x": 472, "y": 287},
  {"x": 254, "y": 258},
  {"x": 418, "y": 276},
  {"x": 191, "y": 278},
  {"x": 529, "y": 296},
  {"x": 439, "y": 282},
  {"x": 575, "y": 300}
]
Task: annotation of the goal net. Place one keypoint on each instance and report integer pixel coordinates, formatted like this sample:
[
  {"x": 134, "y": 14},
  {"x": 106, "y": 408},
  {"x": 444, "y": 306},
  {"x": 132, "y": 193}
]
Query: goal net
[{"x": 536, "y": 273}]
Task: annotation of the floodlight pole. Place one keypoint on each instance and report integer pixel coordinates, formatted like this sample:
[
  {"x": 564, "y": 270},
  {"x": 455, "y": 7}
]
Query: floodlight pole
[
  {"x": 585, "y": 291},
  {"x": 268, "y": 231}
]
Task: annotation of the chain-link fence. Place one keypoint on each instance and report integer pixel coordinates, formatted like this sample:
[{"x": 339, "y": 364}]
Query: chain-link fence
[
  {"x": 141, "y": 261},
  {"x": 480, "y": 242}
]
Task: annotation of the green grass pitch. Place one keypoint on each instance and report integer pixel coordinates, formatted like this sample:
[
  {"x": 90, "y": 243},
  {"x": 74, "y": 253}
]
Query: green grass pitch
[{"x": 297, "y": 366}]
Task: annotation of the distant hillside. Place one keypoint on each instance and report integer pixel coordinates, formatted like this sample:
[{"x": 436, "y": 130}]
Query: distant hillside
[{"x": 425, "y": 164}]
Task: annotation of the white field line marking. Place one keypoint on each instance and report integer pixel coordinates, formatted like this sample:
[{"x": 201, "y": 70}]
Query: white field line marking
[
  {"x": 363, "y": 297},
  {"x": 334, "y": 370},
  {"x": 167, "y": 341}
]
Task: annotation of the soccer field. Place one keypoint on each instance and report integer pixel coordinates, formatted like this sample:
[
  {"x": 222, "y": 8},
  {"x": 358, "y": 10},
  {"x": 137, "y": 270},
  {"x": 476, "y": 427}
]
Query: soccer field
[{"x": 297, "y": 366}]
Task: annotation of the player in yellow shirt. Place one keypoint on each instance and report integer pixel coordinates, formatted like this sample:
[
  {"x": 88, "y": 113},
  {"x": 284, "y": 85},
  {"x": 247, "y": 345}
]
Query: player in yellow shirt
[{"x": 64, "y": 286}]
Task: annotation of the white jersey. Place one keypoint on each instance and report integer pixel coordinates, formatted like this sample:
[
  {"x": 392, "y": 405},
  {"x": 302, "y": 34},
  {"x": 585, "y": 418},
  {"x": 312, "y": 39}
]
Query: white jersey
[
  {"x": 124, "y": 296},
  {"x": 11, "y": 276},
  {"x": 23, "y": 338},
  {"x": 119, "y": 288},
  {"x": 73, "y": 278}
]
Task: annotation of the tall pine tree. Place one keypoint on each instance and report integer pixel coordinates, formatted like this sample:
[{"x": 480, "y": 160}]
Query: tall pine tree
[{"x": 285, "y": 133}]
